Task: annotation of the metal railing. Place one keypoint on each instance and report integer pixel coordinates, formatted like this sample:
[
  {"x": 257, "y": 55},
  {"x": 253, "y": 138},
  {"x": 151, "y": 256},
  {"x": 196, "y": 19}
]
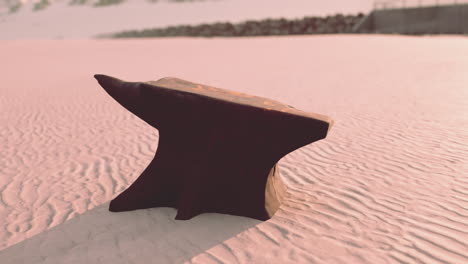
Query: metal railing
[{"x": 397, "y": 4}]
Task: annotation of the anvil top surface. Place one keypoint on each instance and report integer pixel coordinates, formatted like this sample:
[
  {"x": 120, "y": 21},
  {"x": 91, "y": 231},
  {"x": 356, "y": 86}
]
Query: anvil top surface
[{"x": 235, "y": 97}]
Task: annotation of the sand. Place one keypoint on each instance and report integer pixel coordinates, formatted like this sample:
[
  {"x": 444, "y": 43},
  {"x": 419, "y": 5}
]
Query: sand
[{"x": 388, "y": 184}]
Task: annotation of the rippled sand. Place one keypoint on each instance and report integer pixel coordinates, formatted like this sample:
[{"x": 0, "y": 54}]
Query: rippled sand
[{"x": 388, "y": 185}]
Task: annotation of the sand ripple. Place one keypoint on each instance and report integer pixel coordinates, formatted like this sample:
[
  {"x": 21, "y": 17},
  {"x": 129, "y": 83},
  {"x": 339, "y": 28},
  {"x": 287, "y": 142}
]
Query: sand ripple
[{"x": 388, "y": 185}]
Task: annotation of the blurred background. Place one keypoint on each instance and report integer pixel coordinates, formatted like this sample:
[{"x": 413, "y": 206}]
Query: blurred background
[{"x": 57, "y": 19}]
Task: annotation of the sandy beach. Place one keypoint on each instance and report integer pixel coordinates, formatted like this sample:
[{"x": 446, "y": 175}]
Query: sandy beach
[{"x": 388, "y": 184}]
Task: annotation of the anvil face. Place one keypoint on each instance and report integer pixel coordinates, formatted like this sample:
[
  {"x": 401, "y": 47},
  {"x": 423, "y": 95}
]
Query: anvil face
[{"x": 217, "y": 150}]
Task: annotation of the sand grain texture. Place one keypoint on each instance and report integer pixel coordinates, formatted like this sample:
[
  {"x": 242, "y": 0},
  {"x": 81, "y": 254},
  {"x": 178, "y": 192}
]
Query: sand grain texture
[{"x": 388, "y": 185}]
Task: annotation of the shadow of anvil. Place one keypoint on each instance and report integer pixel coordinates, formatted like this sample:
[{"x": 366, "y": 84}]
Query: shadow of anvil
[{"x": 218, "y": 149}]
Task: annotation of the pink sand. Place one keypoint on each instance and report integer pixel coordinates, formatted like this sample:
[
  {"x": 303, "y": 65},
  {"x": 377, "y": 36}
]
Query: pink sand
[{"x": 388, "y": 185}]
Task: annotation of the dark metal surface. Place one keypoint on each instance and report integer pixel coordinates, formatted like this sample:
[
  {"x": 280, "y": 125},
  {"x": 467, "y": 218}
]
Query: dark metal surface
[{"x": 216, "y": 147}]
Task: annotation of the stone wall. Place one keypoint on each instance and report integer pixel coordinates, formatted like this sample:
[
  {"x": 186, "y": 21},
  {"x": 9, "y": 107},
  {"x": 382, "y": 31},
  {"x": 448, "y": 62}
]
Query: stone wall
[
  {"x": 448, "y": 19},
  {"x": 268, "y": 27}
]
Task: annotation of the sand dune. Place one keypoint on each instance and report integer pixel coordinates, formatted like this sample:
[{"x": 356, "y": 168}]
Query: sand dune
[{"x": 388, "y": 185}]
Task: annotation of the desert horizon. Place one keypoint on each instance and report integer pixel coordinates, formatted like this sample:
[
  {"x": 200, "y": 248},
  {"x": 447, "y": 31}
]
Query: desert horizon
[{"x": 60, "y": 20}]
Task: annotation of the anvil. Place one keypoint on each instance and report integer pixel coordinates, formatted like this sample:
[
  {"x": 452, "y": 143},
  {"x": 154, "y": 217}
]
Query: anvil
[{"x": 218, "y": 149}]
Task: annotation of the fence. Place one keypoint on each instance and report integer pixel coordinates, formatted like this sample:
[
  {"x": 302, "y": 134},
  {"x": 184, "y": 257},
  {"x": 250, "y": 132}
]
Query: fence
[
  {"x": 416, "y": 17},
  {"x": 399, "y": 4}
]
